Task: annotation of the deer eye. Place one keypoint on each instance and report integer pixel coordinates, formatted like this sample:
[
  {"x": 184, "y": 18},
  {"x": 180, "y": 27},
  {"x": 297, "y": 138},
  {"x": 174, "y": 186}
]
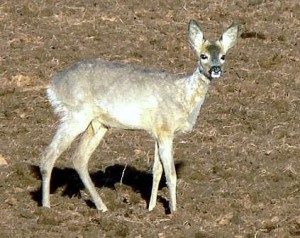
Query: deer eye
[
  {"x": 203, "y": 57},
  {"x": 223, "y": 57}
]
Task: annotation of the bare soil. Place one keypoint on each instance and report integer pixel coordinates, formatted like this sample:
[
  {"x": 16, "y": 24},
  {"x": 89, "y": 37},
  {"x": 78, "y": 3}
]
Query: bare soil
[{"x": 239, "y": 170}]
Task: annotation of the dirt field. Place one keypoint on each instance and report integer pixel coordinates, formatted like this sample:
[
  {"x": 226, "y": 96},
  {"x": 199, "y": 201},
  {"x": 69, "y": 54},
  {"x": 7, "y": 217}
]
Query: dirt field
[{"x": 239, "y": 170}]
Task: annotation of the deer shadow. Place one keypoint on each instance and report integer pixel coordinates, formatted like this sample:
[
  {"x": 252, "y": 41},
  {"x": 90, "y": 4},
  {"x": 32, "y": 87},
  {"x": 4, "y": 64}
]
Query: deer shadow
[{"x": 139, "y": 181}]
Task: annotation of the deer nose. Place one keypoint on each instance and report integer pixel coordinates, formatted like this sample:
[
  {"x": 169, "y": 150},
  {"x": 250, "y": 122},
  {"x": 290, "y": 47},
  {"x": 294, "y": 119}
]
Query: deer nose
[{"x": 215, "y": 71}]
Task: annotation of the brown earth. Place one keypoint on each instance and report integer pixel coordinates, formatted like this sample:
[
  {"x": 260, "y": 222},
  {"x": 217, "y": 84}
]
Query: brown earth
[{"x": 239, "y": 170}]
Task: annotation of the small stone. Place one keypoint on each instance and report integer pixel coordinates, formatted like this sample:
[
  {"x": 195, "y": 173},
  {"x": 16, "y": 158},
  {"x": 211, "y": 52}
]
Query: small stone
[{"x": 2, "y": 160}]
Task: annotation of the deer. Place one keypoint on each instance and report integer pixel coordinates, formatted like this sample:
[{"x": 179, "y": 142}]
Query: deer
[{"x": 92, "y": 96}]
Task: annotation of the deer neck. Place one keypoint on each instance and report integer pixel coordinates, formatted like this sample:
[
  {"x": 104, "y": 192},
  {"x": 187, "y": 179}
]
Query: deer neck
[{"x": 196, "y": 86}]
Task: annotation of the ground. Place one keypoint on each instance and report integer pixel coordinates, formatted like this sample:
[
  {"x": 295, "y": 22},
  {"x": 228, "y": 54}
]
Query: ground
[{"x": 238, "y": 170}]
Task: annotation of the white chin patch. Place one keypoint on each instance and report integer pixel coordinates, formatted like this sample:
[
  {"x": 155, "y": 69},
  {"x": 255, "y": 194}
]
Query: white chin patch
[{"x": 215, "y": 75}]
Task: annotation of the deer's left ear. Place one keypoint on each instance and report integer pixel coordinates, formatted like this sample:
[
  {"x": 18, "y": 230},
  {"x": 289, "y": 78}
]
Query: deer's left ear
[
  {"x": 196, "y": 37},
  {"x": 229, "y": 37}
]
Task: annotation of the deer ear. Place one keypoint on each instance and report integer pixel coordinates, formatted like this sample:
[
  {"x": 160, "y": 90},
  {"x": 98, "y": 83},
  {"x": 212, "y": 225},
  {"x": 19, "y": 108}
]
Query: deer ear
[
  {"x": 229, "y": 37},
  {"x": 195, "y": 36}
]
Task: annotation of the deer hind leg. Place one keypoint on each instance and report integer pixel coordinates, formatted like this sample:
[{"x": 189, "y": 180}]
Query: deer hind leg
[
  {"x": 88, "y": 143},
  {"x": 157, "y": 172},
  {"x": 64, "y": 136},
  {"x": 165, "y": 150}
]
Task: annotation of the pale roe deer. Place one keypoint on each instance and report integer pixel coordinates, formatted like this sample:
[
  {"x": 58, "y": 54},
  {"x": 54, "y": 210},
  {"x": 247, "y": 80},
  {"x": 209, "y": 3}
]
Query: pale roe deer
[{"x": 95, "y": 95}]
